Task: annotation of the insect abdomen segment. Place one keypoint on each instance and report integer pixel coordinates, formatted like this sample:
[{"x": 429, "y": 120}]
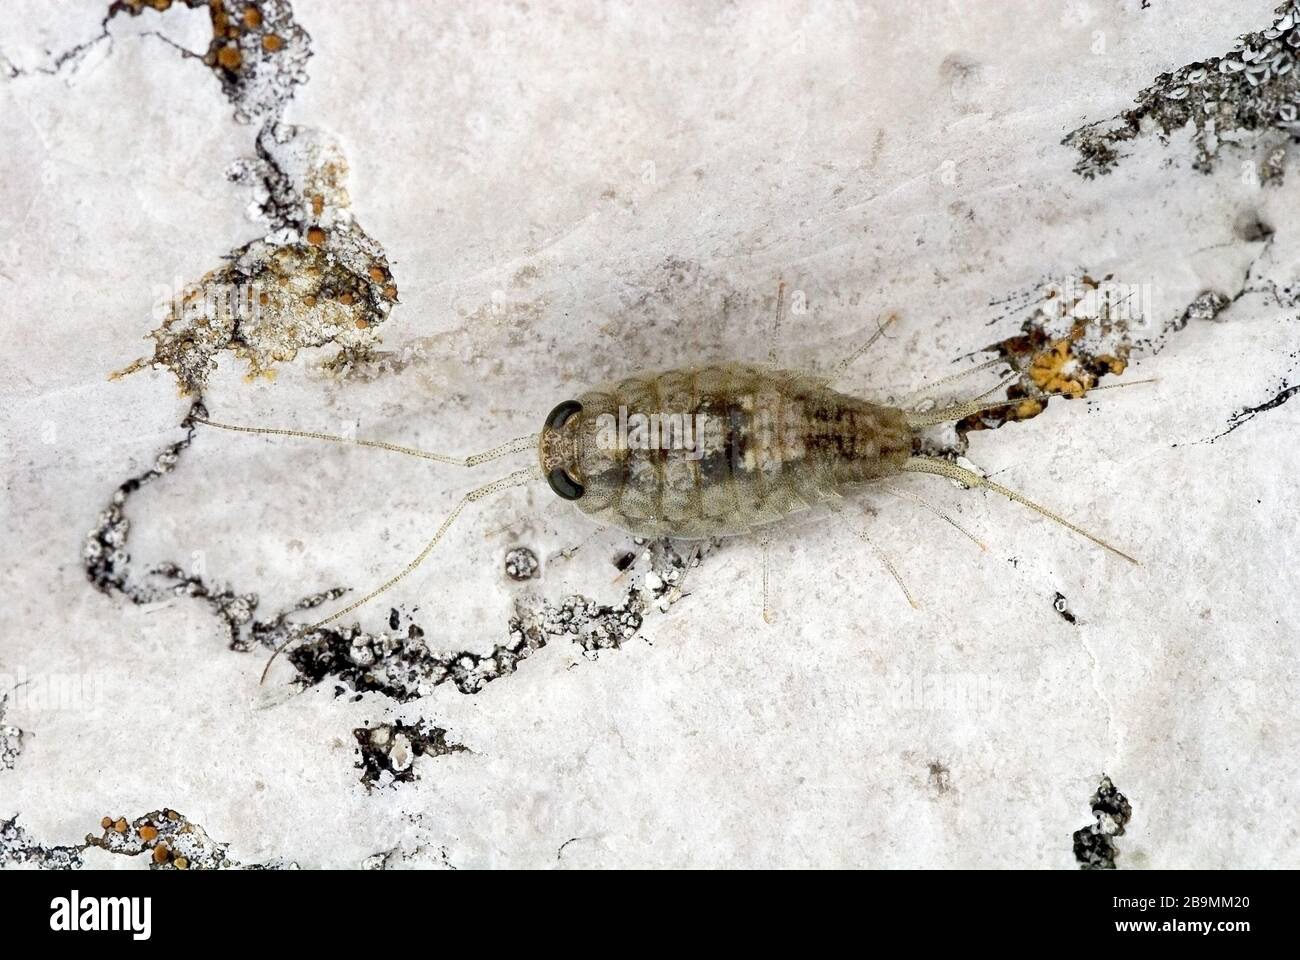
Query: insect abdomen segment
[{"x": 720, "y": 450}]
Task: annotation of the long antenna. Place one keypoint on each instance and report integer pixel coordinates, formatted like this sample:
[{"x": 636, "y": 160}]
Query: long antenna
[
  {"x": 518, "y": 478},
  {"x": 512, "y": 446}
]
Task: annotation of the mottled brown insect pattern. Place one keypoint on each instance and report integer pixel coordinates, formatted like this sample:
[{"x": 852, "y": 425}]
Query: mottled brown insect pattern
[{"x": 771, "y": 443}]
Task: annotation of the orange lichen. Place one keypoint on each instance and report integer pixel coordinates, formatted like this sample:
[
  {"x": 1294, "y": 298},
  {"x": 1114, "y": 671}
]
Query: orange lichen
[
  {"x": 106, "y": 822},
  {"x": 218, "y": 15},
  {"x": 315, "y": 236},
  {"x": 252, "y": 17},
  {"x": 377, "y": 274},
  {"x": 1054, "y": 365},
  {"x": 180, "y": 863},
  {"x": 148, "y": 833},
  {"x": 161, "y": 853},
  {"x": 1049, "y": 371},
  {"x": 120, "y": 825},
  {"x": 271, "y": 43},
  {"x": 230, "y": 57}
]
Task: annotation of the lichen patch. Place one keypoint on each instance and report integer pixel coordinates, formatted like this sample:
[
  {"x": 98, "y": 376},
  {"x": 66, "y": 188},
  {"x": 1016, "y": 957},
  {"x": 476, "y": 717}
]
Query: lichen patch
[
  {"x": 258, "y": 50},
  {"x": 11, "y": 737},
  {"x": 1079, "y": 332},
  {"x": 166, "y": 839},
  {"x": 170, "y": 841},
  {"x": 1094, "y": 845},
  {"x": 316, "y": 278},
  {"x": 1226, "y": 100},
  {"x": 386, "y": 752},
  {"x": 398, "y": 663}
]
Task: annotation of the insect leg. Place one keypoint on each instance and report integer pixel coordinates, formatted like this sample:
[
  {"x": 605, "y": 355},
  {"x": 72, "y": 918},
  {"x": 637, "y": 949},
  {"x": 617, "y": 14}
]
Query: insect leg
[
  {"x": 775, "y": 330},
  {"x": 848, "y": 361},
  {"x": 945, "y": 468},
  {"x": 512, "y": 446},
  {"x": 568, "y": 552},
  {"x": 918, "y": 499},
  {"x": 908, "y": 399},
  {"x": 766, "y": 543},
  {"x": 515, "y": 479},
  {"x": 888, "y": 564},
  {"x": 696, "y": 551}
]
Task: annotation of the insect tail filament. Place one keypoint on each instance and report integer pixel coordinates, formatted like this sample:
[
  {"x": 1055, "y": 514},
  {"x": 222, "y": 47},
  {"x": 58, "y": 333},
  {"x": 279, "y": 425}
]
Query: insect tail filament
[{"x": 944, "y": 468}]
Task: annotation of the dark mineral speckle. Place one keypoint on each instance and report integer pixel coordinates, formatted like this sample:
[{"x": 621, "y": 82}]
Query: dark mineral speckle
[
  {"x": 1094, "y": 845},
  {"x": 1059, "y": 605},
  {"x": 386, "y": 752}
]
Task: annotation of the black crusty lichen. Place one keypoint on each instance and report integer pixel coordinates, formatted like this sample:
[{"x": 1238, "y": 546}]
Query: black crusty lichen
[
  {"x": 107, "y": 562},
  {"x": 404, "y": 667},
  {"x": 1094, "y": 845},
  {"x": 1252, "y": 89},
  {"x": 386, "y": 752},
  {"x": 19, "y": 849}
]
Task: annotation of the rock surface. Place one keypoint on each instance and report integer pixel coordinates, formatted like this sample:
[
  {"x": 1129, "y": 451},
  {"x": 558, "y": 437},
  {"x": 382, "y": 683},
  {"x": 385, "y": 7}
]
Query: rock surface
[{"x": 429, "y": 226}]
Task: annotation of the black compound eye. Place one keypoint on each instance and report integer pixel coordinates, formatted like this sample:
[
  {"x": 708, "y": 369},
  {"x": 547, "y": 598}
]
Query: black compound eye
[
  {"x": 563, "y": 414},
  {"x": 564, "y": 485}
]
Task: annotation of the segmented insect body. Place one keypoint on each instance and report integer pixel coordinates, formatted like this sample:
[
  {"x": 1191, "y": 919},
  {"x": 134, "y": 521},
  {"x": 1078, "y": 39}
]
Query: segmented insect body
[{"x": 716, "y": 450}]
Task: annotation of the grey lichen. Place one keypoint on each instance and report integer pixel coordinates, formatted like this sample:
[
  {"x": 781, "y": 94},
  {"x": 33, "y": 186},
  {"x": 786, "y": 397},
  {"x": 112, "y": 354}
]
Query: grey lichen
[
  {"x": 386, "y": 752},
  {"x": 1207, "y": 306},
  {"x": 11, "y": 736},
  {"x": 403, "y": 667},
  {"x": 1250, "y": 90},
  {"x": 521, "y": 564},
  {"x": 1094, "y": 845},
  {"x": 19, "y": 849}
]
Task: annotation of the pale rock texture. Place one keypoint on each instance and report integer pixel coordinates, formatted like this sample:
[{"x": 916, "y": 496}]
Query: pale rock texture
[{"x": 571, "y": 192}]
